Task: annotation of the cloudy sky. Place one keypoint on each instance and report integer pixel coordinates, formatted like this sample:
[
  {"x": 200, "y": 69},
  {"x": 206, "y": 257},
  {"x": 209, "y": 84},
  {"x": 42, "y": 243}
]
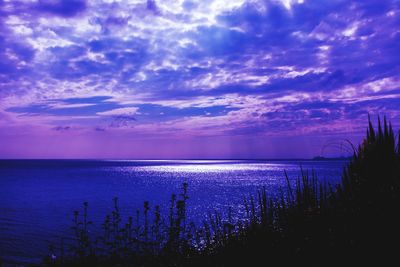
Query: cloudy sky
[{"x": 194, "y": 78}]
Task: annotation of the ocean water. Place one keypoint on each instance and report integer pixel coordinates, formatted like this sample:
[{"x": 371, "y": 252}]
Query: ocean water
[{"x": 38, "y": 197}]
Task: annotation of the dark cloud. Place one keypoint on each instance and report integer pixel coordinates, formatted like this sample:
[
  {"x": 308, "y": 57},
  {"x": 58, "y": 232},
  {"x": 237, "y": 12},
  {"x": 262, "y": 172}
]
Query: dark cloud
[
  {"x": 152, "y": 6},
  {"x": 64, "y": 8},
  {"x": 217, "y": 41},
  {"x": 61, "y": 128},
  {"x": 99, "y": 129},
  {"x": 122, "y": 121}
]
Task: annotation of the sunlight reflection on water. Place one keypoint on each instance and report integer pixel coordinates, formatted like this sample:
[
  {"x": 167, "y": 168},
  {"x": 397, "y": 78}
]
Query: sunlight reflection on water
[{"x": 208, "y": 168}]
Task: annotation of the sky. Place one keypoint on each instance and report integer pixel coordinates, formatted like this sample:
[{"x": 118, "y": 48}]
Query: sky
[{"x": 158, "y": 79}]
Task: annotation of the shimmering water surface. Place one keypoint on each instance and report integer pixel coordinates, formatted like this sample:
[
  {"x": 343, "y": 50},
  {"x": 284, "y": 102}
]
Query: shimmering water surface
[{"x": 38, "y": 197}]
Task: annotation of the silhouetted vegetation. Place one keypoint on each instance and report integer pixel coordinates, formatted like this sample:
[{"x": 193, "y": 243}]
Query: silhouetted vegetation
[{"x": 311, "y": 223}]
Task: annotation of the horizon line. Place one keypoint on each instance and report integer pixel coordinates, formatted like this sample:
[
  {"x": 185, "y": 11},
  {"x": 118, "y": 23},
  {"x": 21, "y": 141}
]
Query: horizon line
[{"x": 170, "y": 159}]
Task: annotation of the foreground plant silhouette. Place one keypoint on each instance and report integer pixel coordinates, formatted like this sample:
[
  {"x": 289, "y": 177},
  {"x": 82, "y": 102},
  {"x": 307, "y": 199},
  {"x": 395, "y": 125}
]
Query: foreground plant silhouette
[{"x": 314, "y": 224}]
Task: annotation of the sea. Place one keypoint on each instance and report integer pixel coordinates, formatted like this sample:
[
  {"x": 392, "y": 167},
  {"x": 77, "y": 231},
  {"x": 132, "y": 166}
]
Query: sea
[{"x": 38, "y": 197}]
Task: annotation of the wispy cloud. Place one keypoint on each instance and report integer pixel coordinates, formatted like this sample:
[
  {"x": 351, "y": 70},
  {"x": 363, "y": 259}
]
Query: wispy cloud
[{"x": 119, "y": 112}]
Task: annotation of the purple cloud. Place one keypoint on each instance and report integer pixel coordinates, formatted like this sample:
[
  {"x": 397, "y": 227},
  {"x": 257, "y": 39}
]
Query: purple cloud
[{"x": 225, "y": 70}]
